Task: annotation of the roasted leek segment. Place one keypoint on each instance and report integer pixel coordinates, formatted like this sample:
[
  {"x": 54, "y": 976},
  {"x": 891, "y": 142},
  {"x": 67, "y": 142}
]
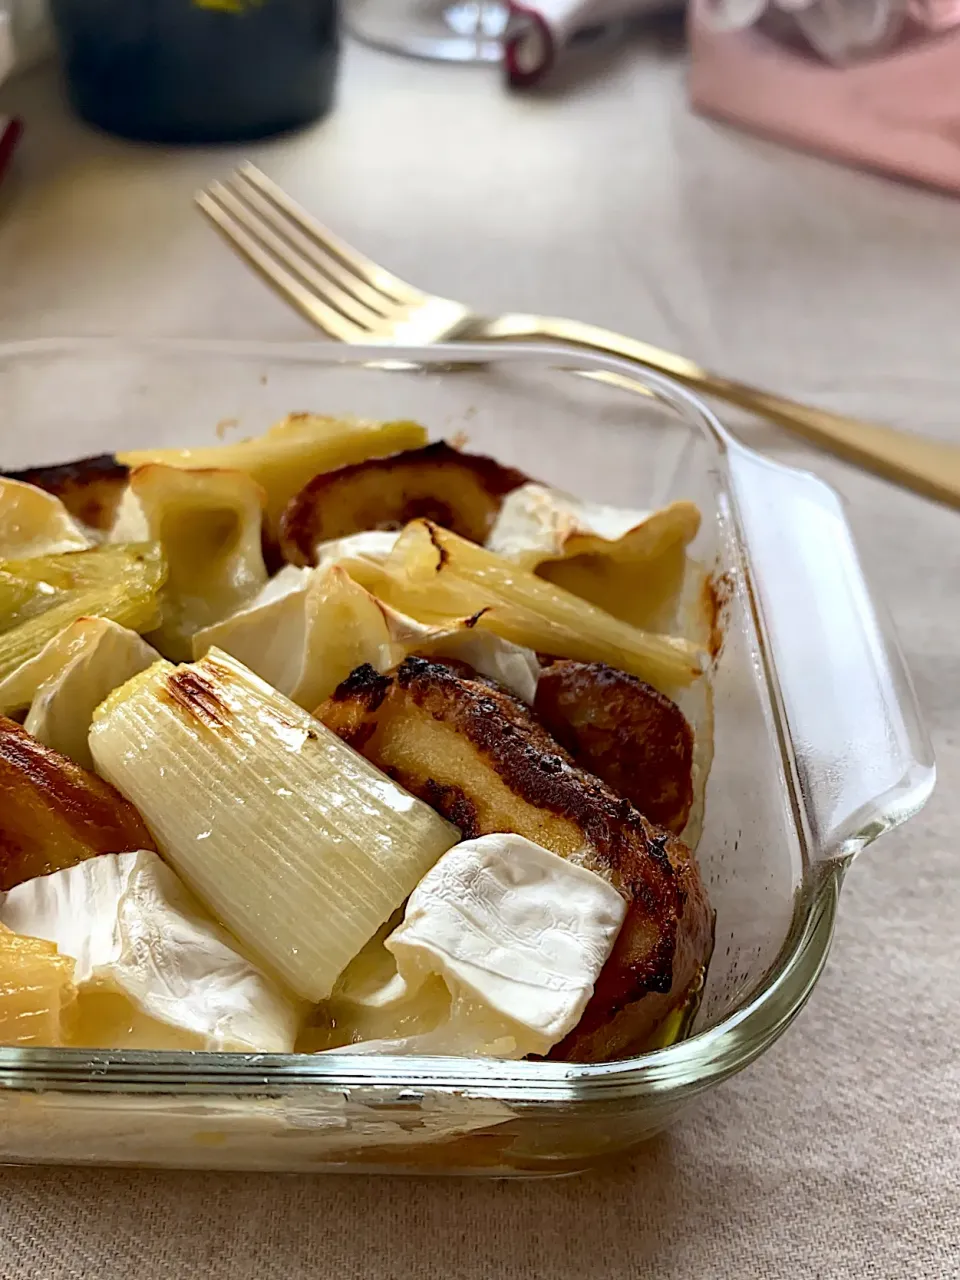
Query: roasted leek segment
[
  {"x": 482, "y": 760},
  {"x": 296, "y": 843},
  {"x": 291, "y": 453},
  {"x": 461, "y": 491},
  {"x": 432, "y": 571},
  {"x": 54, "y": 814},
  {"x": 208, "y": 524},
  {"x": 41, "y": 596}
]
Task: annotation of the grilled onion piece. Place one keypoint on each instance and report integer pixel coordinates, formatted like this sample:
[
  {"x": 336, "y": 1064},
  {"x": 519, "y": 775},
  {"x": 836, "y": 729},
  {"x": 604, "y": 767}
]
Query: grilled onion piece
[{"x": 481, "y": 759}]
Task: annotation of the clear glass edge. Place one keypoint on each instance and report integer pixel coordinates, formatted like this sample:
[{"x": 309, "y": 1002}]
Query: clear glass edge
[{"x": 692, "y": 1064}]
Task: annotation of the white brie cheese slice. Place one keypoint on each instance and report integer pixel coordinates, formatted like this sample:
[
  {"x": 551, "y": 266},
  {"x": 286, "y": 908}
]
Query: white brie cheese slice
[
  {"x": 17, "y": 690},
  {"x": 269, "y": 636},
  {"x": 288, "y": 580},
  {"x": 134, "y": 929},
  {"x": 536, "y": 523},
  {"x": 35, "y": 523},
  {"x": 518, "y": 936},
  {"x": 370, "y": 544},
  {"x": 69, "y": 678}
]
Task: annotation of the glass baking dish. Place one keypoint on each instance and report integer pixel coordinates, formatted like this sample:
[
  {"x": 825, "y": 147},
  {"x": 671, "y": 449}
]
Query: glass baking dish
[{"x": 818, "y": 750}]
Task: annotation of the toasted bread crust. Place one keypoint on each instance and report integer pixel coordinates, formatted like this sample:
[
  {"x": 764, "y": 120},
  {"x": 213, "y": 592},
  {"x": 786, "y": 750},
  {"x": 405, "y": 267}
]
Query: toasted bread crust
[
  {"x": 54, "y": 814},
  {"x": 481, "y": 759},
  {"x": 460, "y": 491},
  {"x": 624, "y": 731},
  {"x": 90, "y": 488}
]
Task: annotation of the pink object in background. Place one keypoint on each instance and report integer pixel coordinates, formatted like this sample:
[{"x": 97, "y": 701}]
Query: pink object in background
[
  {"x": 898, "y": 113},
  {"x": 935, "y": 15}
]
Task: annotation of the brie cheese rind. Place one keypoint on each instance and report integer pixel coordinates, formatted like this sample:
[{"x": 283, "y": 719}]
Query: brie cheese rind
[
  {"x": 35, "y": 523},
  {"x": 631, "y": 563},
  {"x": 306, "y": 636},
  {"x": 518, "y": 936},
  {"x": 133, "y": 929},
  {"x": 130, "y": 523},
  {"x": 69, "y": 678}
]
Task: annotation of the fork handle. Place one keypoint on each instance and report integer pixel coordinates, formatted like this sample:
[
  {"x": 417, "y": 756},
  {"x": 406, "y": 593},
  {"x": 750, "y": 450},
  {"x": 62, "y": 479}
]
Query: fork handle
[{"x": 928, "y": 467}]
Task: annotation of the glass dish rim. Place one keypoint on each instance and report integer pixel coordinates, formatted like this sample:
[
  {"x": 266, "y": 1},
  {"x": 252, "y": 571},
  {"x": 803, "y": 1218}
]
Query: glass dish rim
[{"x": 692, "y": 1064}]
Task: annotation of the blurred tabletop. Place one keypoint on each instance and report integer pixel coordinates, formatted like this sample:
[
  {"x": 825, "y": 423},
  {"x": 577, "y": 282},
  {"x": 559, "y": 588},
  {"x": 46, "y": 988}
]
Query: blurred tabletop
[{"x": 838, "y": 1154}]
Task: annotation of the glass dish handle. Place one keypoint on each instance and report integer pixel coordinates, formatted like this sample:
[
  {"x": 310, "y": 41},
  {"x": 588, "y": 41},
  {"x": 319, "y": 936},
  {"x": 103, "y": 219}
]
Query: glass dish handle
[{"x": 864, "y": 761}]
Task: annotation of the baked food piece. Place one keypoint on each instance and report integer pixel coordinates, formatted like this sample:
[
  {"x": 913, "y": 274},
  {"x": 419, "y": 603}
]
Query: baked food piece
[
  {"x": 481, "y": 759},
  {"x": 54, "y": 814},
  {"x": 626, "y": 732},
  {"x": 460, "y": 491}
]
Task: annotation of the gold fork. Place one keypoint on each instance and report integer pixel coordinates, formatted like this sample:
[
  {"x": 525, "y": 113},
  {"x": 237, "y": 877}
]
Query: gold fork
[{"x": 354, "y": 300}]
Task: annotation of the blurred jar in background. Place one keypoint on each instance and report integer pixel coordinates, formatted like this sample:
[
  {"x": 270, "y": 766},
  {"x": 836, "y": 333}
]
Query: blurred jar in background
[{"x": 198, "y": 70}]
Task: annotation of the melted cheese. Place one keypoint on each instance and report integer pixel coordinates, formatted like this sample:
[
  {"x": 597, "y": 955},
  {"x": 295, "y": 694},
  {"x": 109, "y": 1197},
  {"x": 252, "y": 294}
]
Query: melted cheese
[
  {"x": 516, "y": 934},
  {"x": 146, "y": 953}
]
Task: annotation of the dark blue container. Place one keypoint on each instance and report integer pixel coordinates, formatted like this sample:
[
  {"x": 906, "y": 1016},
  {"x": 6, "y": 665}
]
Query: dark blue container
[{"x": 198, "y": 70}]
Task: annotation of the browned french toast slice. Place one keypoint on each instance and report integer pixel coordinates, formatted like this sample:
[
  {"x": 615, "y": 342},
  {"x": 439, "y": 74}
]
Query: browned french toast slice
[
  {"x": 54, "y": 814},
  {"x": 480, "y": 758},
  {"x": 626, "y": 732}
]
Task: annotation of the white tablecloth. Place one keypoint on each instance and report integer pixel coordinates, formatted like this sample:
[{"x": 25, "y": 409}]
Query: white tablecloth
[{"x": 838, "y": 1153}]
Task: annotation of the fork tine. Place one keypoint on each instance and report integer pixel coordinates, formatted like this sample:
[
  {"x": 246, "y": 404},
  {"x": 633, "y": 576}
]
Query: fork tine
[
  {"x": 318, "y": 284},
  {"x": 278, "y": 220},
  {"x": 284, "y": 282},
  {"x": 368, "y": 271}
]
